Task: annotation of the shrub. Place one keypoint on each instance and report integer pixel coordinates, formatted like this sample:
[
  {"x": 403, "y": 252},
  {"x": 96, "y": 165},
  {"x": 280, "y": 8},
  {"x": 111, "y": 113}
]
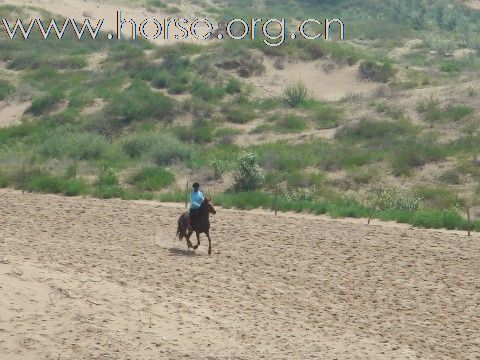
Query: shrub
[
  {"x": 458, "y": 112},
  {"x": 381, "y": 133},
  {"x": 374, "y": 71},
  {"x": 160, "y": 79},
  {"x": 233, "y": 86},
  {"x": 202, "y": 131},
  {"x": 249, "y": 175},
  {"x": 239, "y": 114},
  {"x": 79, "y": 146},
  {"x": 138, "y": 102},
  {"x": 6, "y": 89},
  {"x": 220, "y": 167},
  {"x": 438, "y": 197},
  {"x": 391, "y": 110},
  {"x": 40, "y": 181},
  {"x": 291, "y": 123},
  {"x": 107, "y": 185},
  {"x": 409, "y": 156},
  {"x": 75, "y": 187},
  {"x": 203, "y": 90},
  {"x": 326, "y": 116},
  {"x": 362, "y": 175},
  {"x": 152, "y": 178},
  {"x": 177, "y": 88},
  {"x": 296, "y": 94},
  {"x": 432, "y": 110},
  {"x": 162, "y": 148},
  {"x": 168, "y": 150},
  {"x": 45, "y": 103},
  {"x": 71, "y": 171},
  {"x": 451, "y": 176},
  {"x": 387, "y": 200}
]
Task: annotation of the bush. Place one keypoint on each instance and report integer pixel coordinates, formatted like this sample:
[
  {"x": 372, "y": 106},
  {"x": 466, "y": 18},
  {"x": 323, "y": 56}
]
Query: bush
[
  {"x": 296, "y": 94},
  {"x": 137, "y": 103},
  {"x": 373, "y": 71},
  {"x": 291, "y": 123},
  {"x": 160, "y": 79},
  {"x": 168, "y": 150},
  {"x": 107, "y": 185},
  {"x": 249, "y": 175},
  {"x": 204, "y": 91},
  {"x": 220, "y": 167},
  {"x": 239, "y": 114},
  {"x": 6, "y": 89},
  {"x": 202, "y": 131},
  {"x": 326, "y": 116},
  {"x": 433, "y": 111},
  {"x": 458, "y": 112},
  {"x": 161, "y": 148},
  {"x": 411, "y": 155},
  {"x": 152, "y": 179},
  {"x": 79, "y": 146},
  {"x": 381, "y": 133},
  {"x": 45, "y": 103},
  {"x": 387, "y": 200},
  {"x": 233, "y": 86},
  {"x": 39, "y": 181}
]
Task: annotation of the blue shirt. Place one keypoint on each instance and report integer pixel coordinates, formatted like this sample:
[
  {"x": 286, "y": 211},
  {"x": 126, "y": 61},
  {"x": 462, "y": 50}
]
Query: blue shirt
[{"x": 196, "y": 199}]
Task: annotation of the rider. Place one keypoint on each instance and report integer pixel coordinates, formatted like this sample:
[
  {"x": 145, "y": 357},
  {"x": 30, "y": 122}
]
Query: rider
[{"x": 196, "y": 200}]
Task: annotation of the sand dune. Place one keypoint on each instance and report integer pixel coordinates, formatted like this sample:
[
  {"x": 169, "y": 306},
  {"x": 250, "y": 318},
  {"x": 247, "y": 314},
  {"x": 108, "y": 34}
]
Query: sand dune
[
  {"x": 332, "y": 86},
  {"x": 93, "y": 279},
  {"x": 94, "y": 10}
]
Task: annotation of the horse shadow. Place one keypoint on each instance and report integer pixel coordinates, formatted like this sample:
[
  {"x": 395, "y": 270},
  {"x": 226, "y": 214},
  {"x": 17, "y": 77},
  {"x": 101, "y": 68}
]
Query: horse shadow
[{"x": 181, "y": 252}]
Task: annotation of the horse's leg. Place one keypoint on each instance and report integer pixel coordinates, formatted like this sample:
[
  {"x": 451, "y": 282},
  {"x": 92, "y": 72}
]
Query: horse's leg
[
  {"x": 209, "y": 243},
  {"x": 189, "y": 243},
  {"x": 198, "y": 241}
]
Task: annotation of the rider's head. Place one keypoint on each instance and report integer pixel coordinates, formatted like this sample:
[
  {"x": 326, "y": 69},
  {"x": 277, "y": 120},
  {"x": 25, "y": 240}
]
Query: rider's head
[{"x": 196, "y": 186}]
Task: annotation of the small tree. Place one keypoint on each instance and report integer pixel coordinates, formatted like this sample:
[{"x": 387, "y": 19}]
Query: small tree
[{"x": 249, "y": 175}]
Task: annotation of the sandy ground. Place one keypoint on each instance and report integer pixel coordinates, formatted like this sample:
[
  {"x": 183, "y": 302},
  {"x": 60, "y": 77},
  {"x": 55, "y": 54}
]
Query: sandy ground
[
  {"x": 93, "y": 279},
  {"x": 11, "y": 112},
  {"x": 94, "y": 10},
  {"x": 332, "y": 86}
]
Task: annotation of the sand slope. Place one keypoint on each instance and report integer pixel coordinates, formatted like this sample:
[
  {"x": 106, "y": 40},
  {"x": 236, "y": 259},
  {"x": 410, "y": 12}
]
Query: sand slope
[
  {"x": 95, "y": 11},
  {"x": 93, "y": 279}
]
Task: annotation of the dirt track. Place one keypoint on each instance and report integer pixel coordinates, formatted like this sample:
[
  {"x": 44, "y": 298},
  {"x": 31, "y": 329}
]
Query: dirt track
[{"x": 93, "y": 279}]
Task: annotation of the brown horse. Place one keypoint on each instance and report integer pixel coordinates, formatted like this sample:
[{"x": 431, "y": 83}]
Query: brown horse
[{"x": 200, "y": 224}]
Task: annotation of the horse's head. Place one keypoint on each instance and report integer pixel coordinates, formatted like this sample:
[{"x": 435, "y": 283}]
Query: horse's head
[{"x": 207, "y": 203}]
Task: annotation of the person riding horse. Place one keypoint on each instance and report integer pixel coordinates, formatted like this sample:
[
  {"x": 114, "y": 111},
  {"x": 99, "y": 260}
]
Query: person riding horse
[
  {"x": 196, "y": 219},
  {"x": 196, "y": 200}
]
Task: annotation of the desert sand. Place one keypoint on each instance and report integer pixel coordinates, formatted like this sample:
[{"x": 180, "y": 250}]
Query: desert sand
[
  {"x": 95, "y": 11},
  {"x": 331, "y": 86},
  {"x": 106, "y": 279}
]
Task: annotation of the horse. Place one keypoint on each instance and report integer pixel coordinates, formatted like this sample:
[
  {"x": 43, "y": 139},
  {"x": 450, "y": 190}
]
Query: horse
[{"x": 200, "y": 224}]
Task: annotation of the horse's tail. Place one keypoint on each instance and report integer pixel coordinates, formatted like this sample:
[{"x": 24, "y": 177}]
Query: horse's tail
[{"x": 181, "y": 230}]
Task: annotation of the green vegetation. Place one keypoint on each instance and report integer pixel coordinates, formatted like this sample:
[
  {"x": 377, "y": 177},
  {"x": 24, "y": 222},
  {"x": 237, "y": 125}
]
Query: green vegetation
[
  {"x": 6, "y": 89},
  {"x": 296, "y": 95},
  {"x": 134, "y": 122},
  {"x": 152, "y": 179}
]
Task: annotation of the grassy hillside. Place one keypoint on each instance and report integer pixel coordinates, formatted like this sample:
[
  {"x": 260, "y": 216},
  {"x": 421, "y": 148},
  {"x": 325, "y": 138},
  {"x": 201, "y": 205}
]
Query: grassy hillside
[{"x": 136, "y": 121}]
